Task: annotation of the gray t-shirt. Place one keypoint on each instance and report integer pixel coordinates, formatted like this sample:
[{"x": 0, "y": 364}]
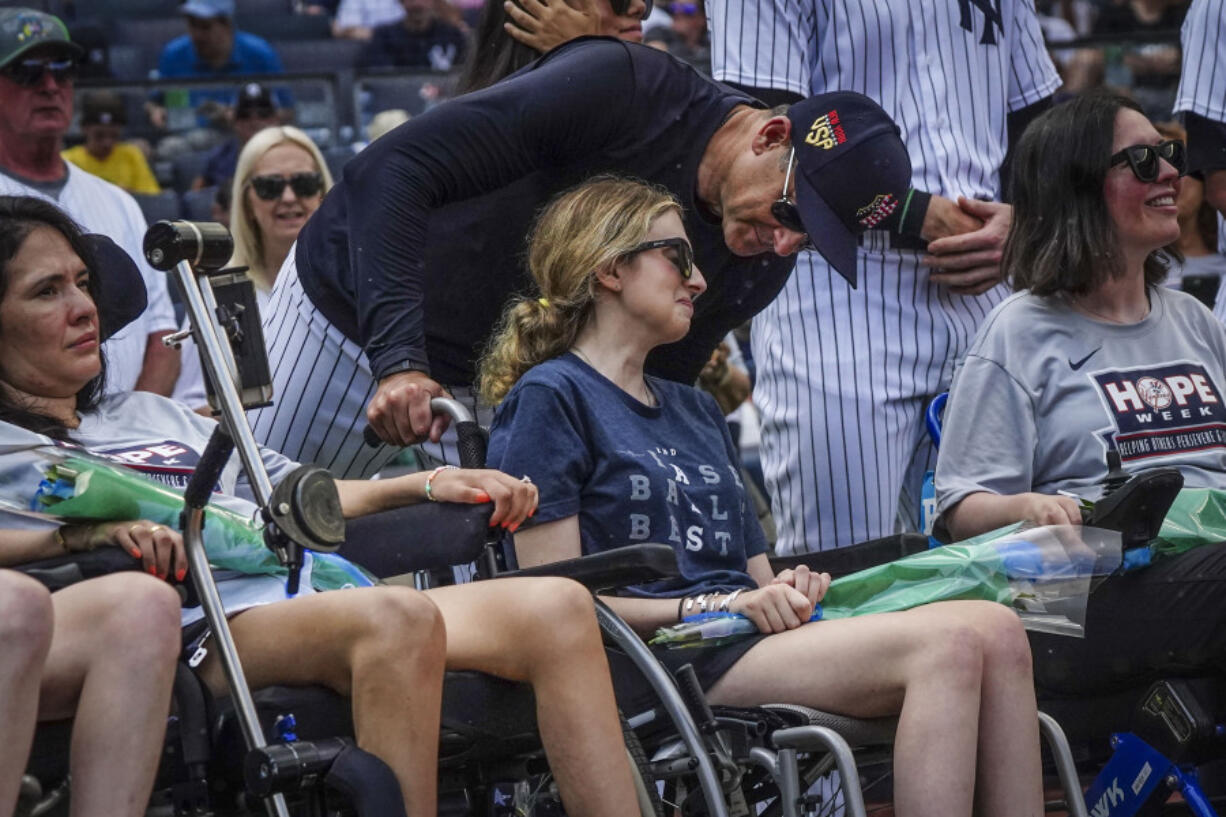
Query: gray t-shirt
[
  {"x": 1044, "y": 392},
  {"x": 162, "y": 440}
]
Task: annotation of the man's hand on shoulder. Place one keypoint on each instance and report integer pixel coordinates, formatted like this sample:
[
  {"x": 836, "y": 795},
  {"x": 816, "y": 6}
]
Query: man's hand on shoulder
[
  {"x": 400, "y": 410},
  {"x": 968, "y": 262}
]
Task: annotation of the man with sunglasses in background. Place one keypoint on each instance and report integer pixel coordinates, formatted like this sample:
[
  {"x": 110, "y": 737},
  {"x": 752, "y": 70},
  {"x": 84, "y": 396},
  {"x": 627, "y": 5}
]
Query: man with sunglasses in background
[
  {"x": 37, "y": 70},
  {"x": 399, "y": 277}
]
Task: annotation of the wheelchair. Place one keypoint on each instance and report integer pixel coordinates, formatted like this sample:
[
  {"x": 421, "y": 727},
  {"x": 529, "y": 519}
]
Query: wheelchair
[
  {"x": 1173, "y": 725},
  {"x": 289, "y": 748}
]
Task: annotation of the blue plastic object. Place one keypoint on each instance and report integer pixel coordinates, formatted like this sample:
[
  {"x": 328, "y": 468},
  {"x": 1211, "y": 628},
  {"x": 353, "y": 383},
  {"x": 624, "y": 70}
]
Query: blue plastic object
[{"x": 1132, "y": 777}]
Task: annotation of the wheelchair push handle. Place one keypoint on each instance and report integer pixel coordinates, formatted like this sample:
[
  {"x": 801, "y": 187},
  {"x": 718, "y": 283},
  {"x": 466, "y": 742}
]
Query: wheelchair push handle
[{"x": 470, "y": 438}]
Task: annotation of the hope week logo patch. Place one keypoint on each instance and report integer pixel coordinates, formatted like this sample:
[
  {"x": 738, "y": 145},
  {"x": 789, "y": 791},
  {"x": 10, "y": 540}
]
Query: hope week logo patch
[{"x": 1162, "y": 410}]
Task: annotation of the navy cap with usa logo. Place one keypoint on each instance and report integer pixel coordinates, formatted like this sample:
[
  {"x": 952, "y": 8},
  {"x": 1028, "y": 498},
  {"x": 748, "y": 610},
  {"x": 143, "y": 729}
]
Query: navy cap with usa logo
[
  {"x": 852, "y": 172},
  {"x": 23, "y": 29}
]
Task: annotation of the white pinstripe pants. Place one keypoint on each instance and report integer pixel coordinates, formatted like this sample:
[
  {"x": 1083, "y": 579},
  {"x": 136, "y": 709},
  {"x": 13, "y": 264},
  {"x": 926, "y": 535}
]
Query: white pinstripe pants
[{"x": 843, "y": 379}]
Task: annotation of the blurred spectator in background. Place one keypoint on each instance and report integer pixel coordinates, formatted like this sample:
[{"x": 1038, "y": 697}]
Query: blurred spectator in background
[
  {"x": 103, "y": 117},
  {"x": 280, "y": 182},
  {"x": 220, "y": 211},
  {"x": 37, "y": 71},
  {"x": 211, "y": 48},
  {"x": 1153, "y": 66},
  {"x": 420, "y": 39},
  {"x": 253, "y": 112},
  {"x": 358, "y": 19},
  {"x": 512, "y": 35},
  {"x": 385, "y": 121},
  {"x": 686, "y": 37},
  {"x": 1197, "y": 232}
]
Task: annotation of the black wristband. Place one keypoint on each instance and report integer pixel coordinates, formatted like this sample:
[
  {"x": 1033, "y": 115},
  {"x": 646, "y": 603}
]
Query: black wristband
[{"x": 914, "y": 209}]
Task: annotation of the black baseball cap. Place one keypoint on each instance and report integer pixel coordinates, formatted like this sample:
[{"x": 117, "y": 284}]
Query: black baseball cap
[
  {"x": 852, "y": 172},
  {"x": 119, "y": 289},
  {"x": 103, "y": 108},
  {"x": 254, "y": 99}
]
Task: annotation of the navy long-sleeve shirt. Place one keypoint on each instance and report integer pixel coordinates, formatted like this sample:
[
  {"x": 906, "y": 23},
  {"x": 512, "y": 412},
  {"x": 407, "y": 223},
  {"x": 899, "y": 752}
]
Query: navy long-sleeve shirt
[{"x": 416, "y": 250}]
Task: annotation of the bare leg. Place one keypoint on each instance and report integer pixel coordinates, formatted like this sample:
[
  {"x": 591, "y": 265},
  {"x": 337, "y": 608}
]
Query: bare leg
[
  {"x": 382, "y": 646},
  {"x": 112, "y": 662},
  {"x": 544, "y": 631},
  {"x": 25, "y": 636},
  {"x": 1010, "y": 771},
  {"x": 928, "y": 665}
]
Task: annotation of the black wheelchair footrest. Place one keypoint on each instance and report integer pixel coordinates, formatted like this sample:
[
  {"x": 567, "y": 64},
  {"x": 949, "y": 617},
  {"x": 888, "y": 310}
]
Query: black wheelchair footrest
[{"x": 282, "y": 767}]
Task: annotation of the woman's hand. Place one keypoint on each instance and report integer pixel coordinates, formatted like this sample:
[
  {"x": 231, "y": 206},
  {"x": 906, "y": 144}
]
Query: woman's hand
[
  {"x": 514, "y": 499},
  {"x": 544, "y": 25},
  {"x": 775, "y": 607},
  {"x": 813, "y": 585},
  {"x": 159, "y": 548},
  {"x": 1048, "y": 509}
]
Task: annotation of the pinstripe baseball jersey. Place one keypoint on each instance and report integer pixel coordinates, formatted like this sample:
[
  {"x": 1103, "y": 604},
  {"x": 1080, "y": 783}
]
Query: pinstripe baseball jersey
[
  {"x": 947, "y": 72},
  {"x": 1202, "y": 86},
  {"x": 101, "y": 207},
  {"x": 844, "y": 374}
]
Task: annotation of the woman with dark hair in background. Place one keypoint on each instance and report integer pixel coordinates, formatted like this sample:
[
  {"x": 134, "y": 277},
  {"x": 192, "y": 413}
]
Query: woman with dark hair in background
[
  {"x": 384, "y": 647},
  {"x": 513, "y": 33},
  {"x": 1093, "y": 354}
]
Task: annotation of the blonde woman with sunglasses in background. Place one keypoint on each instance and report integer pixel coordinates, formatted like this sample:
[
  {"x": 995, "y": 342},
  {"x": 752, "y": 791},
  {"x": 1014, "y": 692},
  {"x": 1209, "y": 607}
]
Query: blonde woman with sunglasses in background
[{"x": 279, "y": 182}]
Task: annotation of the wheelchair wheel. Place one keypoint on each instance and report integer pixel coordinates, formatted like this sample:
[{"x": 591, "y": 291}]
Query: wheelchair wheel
[{"x": 645, "y": 788}]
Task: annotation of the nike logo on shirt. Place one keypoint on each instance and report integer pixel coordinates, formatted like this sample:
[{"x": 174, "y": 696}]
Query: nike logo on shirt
[{"x": 1080, "y": 363}]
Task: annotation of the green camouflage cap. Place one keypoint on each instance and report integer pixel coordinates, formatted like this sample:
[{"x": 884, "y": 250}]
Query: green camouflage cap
[{"x": 22, "y": 29}]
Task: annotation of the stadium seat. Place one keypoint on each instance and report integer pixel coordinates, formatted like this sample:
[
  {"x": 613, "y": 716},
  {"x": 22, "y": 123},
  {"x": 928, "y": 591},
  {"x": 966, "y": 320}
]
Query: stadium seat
[
  {"x": 277, "y": 23},
  {"x": 129, "y": 61},
  {"x": 148, "y": 32},
  {"x": 336, "y": 158},
  {"x": 187, "y": 167},
  {"x": 315, "y": 56},
  {"x": 198, "y": 204},
  {"x": 164, "y": 205}
]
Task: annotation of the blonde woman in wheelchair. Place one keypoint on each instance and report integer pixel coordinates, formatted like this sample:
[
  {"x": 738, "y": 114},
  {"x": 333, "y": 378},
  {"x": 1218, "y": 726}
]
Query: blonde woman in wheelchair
[{"x": 620, "y": 456}]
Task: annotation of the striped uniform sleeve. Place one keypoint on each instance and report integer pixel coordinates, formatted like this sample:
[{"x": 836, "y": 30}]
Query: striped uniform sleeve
[
  {"x": 1032, "y": 74},
  {"x": 1202, "y": 84},
  {"x": 764, "y": 43}
]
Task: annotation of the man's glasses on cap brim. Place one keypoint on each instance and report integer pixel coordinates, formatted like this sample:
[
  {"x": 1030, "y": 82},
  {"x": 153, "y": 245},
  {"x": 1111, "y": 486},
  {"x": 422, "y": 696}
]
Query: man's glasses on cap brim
[
  {"x": 29, "y": 73},
  {"x": 1143, "y": 159}
]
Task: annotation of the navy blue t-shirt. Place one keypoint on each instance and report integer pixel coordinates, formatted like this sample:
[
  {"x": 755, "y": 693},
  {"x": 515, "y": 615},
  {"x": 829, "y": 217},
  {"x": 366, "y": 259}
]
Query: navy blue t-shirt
[{"x": 633, "y": 473}]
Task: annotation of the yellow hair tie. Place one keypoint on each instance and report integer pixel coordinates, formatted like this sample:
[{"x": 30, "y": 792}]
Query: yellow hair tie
[{"x": 543, "y": 302}]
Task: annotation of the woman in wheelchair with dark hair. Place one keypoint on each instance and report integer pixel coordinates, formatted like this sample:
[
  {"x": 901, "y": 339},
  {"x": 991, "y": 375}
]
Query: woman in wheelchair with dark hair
[
  {"x": 70, "y": 655},
  {"x": 1093, "y": 354},
  {"x": 384, "y": 647},
  {"x": 622, "y": 457}
]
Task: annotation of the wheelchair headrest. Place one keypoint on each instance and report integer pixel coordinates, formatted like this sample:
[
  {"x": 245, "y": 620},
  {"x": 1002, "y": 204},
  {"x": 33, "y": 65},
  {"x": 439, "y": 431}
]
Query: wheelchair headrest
[{"x": 119, "y": 288}]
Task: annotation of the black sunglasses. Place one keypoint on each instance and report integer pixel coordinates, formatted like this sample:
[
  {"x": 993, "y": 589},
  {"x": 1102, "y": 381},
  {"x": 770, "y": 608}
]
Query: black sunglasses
[
  {"x": 1143, "y": 159},
  {"x": 784, "y": 209},
  {"x": 29, "y": 73},
  {"x": 684, "y": 262},
  {"x": 304, "y": 185}
]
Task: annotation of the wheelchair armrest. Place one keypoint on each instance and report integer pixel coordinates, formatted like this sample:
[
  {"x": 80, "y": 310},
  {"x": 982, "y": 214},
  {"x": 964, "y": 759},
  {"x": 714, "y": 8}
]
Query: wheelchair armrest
[
  {"x": 59, "y": 572},
  {"x": 620, "y": 567},
  {"x": 842, "y": 561},
  {"x": 426, "y": 536}
]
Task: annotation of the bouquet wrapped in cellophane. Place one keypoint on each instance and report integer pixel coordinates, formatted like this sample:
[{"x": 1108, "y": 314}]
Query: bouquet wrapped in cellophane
[
  {"x": 78, "y": 487},
  {"x": 1043, "y": 573}
]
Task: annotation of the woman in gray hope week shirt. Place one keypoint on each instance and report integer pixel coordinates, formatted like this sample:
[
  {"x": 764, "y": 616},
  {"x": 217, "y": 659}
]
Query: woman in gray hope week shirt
[{"x": 1093, "y": 354}]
